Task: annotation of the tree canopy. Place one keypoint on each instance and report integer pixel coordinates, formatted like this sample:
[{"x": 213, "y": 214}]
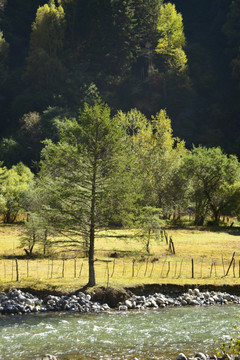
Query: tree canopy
[{"x": 83, "y": 173}]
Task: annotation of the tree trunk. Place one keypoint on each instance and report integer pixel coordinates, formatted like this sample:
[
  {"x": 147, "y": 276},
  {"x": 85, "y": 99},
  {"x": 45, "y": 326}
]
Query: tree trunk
[
  {"x": 148, "y": 242},
  {"x": 216, "y": 215},
  {"x": 45, "y": 242},
  {"x": 91, "y": 275}
]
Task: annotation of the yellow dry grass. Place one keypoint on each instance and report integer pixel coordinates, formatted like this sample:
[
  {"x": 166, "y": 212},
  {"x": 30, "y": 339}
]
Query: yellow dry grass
[{"x": 211, "y": 253}]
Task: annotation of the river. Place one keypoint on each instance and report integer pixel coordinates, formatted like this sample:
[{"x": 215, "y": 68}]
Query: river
[{"x": 153, "y": 334}]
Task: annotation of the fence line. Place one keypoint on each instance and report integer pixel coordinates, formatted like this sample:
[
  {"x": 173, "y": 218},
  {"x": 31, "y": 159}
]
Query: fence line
[{"x": 162, "y": 268}]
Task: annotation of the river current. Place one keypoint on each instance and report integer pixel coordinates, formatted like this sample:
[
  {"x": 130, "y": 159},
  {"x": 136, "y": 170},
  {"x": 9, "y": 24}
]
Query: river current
[{"x": 153, "y": 334}]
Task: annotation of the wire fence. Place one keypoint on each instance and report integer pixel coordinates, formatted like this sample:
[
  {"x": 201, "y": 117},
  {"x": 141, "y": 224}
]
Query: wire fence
[{"x": 155, "y": 268}]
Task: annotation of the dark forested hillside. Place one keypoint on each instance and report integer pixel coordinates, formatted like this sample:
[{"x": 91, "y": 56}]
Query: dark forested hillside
[
  {"x": 181, "y": 56},
  {"x": 215, "y": 111}
]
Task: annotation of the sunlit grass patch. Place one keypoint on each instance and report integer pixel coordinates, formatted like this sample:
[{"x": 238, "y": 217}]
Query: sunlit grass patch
[{"x": 122, "y": 261}]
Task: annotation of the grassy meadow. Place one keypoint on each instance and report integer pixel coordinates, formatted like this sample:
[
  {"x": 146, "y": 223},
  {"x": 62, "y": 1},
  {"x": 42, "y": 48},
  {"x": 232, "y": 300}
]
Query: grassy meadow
[{"x": 202, "y": 257}]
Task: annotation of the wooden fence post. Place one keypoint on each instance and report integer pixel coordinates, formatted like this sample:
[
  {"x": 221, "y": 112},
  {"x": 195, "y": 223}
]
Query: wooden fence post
[
  {"x": 161, "y": 232},
  {"x": 17, "y": 271},
  {"x": 133, "y": 263},
  {"x": 146, "y": 266},
  {"x": 192, "y": 269},
  {"x": 113, "y": 268},
  {"x": 123, "y": 272},
  {"x": 168, "y": 270},
  {"x": 234, "y": 268},
  {"x": 12, "y": 269},
  {"x": 107, "y": 274},
  {"x": 166, "y": 236},
  {"x": 173, "y": 248},
  {"x": 223, "y": 265},
  {"x": 211, "y": 269},
  {"x": 63, "y": 267},
  {"x": 230, "y": 264}
]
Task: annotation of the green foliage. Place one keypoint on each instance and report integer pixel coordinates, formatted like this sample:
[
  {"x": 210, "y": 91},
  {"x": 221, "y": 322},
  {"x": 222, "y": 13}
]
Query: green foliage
[
  {"x": 213, "y": 179},
  {"x": 231, "y": 347},
  {"x": 158, "y": 160},
  {"x": 149, "y": 222},
  {"x": 48, "y": 28},
  {"x": 82, "y": 175},
  {"x": 146, "y": 14},
  {"x": 30, "y": 134},
  {"x": 9, "y": 151},
  {"x": 44, "y": 65},
  {"x": 13, "y": 188},
  {"x": 171, "y": 37},
  {"x": 36, "y": 229}
]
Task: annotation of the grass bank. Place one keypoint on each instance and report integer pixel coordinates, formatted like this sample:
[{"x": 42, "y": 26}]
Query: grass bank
[{"x": 202, "y": 257}]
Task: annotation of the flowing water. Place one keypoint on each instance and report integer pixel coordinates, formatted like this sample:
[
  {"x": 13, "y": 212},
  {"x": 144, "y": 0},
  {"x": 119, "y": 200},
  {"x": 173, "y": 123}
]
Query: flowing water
[{"x": 153, "y": 334}]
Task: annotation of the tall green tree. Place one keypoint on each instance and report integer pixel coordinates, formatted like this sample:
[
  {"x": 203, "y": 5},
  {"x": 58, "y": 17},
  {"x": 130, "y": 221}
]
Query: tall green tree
[
  {"x": 213, "y": 177},
  {"x": 82, "y": 174},
  {"x": 158, "y": 160},
  {"x": 36, "y": 228},
  {"x": 171, "y": 38},
  {"x": 44, "y": 64},
  {"x": 13, "y": 188}
]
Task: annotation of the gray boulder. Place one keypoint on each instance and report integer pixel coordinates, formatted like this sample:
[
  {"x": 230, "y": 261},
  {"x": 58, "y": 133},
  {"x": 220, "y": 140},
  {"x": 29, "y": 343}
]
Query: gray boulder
[
  {"x": 49, "y": 357},
  {"x": 181, "y": 356},
  {"x": 200, "y": 356}
]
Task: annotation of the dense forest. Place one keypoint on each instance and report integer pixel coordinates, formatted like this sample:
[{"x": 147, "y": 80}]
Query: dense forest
[{"x": 150, "y": 55}]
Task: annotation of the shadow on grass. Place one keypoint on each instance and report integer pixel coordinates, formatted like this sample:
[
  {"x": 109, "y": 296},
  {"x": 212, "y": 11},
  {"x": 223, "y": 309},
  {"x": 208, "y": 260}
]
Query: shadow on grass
[{"x": 228, "y": 229}]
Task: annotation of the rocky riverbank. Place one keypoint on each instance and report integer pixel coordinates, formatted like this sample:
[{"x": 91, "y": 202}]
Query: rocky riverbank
[
  {"x": 191, "y": 297},
  {"x": 181, "y": 356},
  {"x": 19, "y": 302},
  {"x": 201, "y": 356}
]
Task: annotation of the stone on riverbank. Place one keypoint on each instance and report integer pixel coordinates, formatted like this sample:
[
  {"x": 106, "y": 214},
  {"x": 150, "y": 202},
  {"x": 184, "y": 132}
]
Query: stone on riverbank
[
  {"x": 190, "y": 298},
  {"x": 18, "y": 302},
  {"x": 201, "y": 356}
]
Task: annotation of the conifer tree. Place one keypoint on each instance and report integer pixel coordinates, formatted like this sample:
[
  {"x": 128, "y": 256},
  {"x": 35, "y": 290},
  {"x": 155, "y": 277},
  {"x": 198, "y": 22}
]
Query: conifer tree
[{"x": 82, "y": 174}]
